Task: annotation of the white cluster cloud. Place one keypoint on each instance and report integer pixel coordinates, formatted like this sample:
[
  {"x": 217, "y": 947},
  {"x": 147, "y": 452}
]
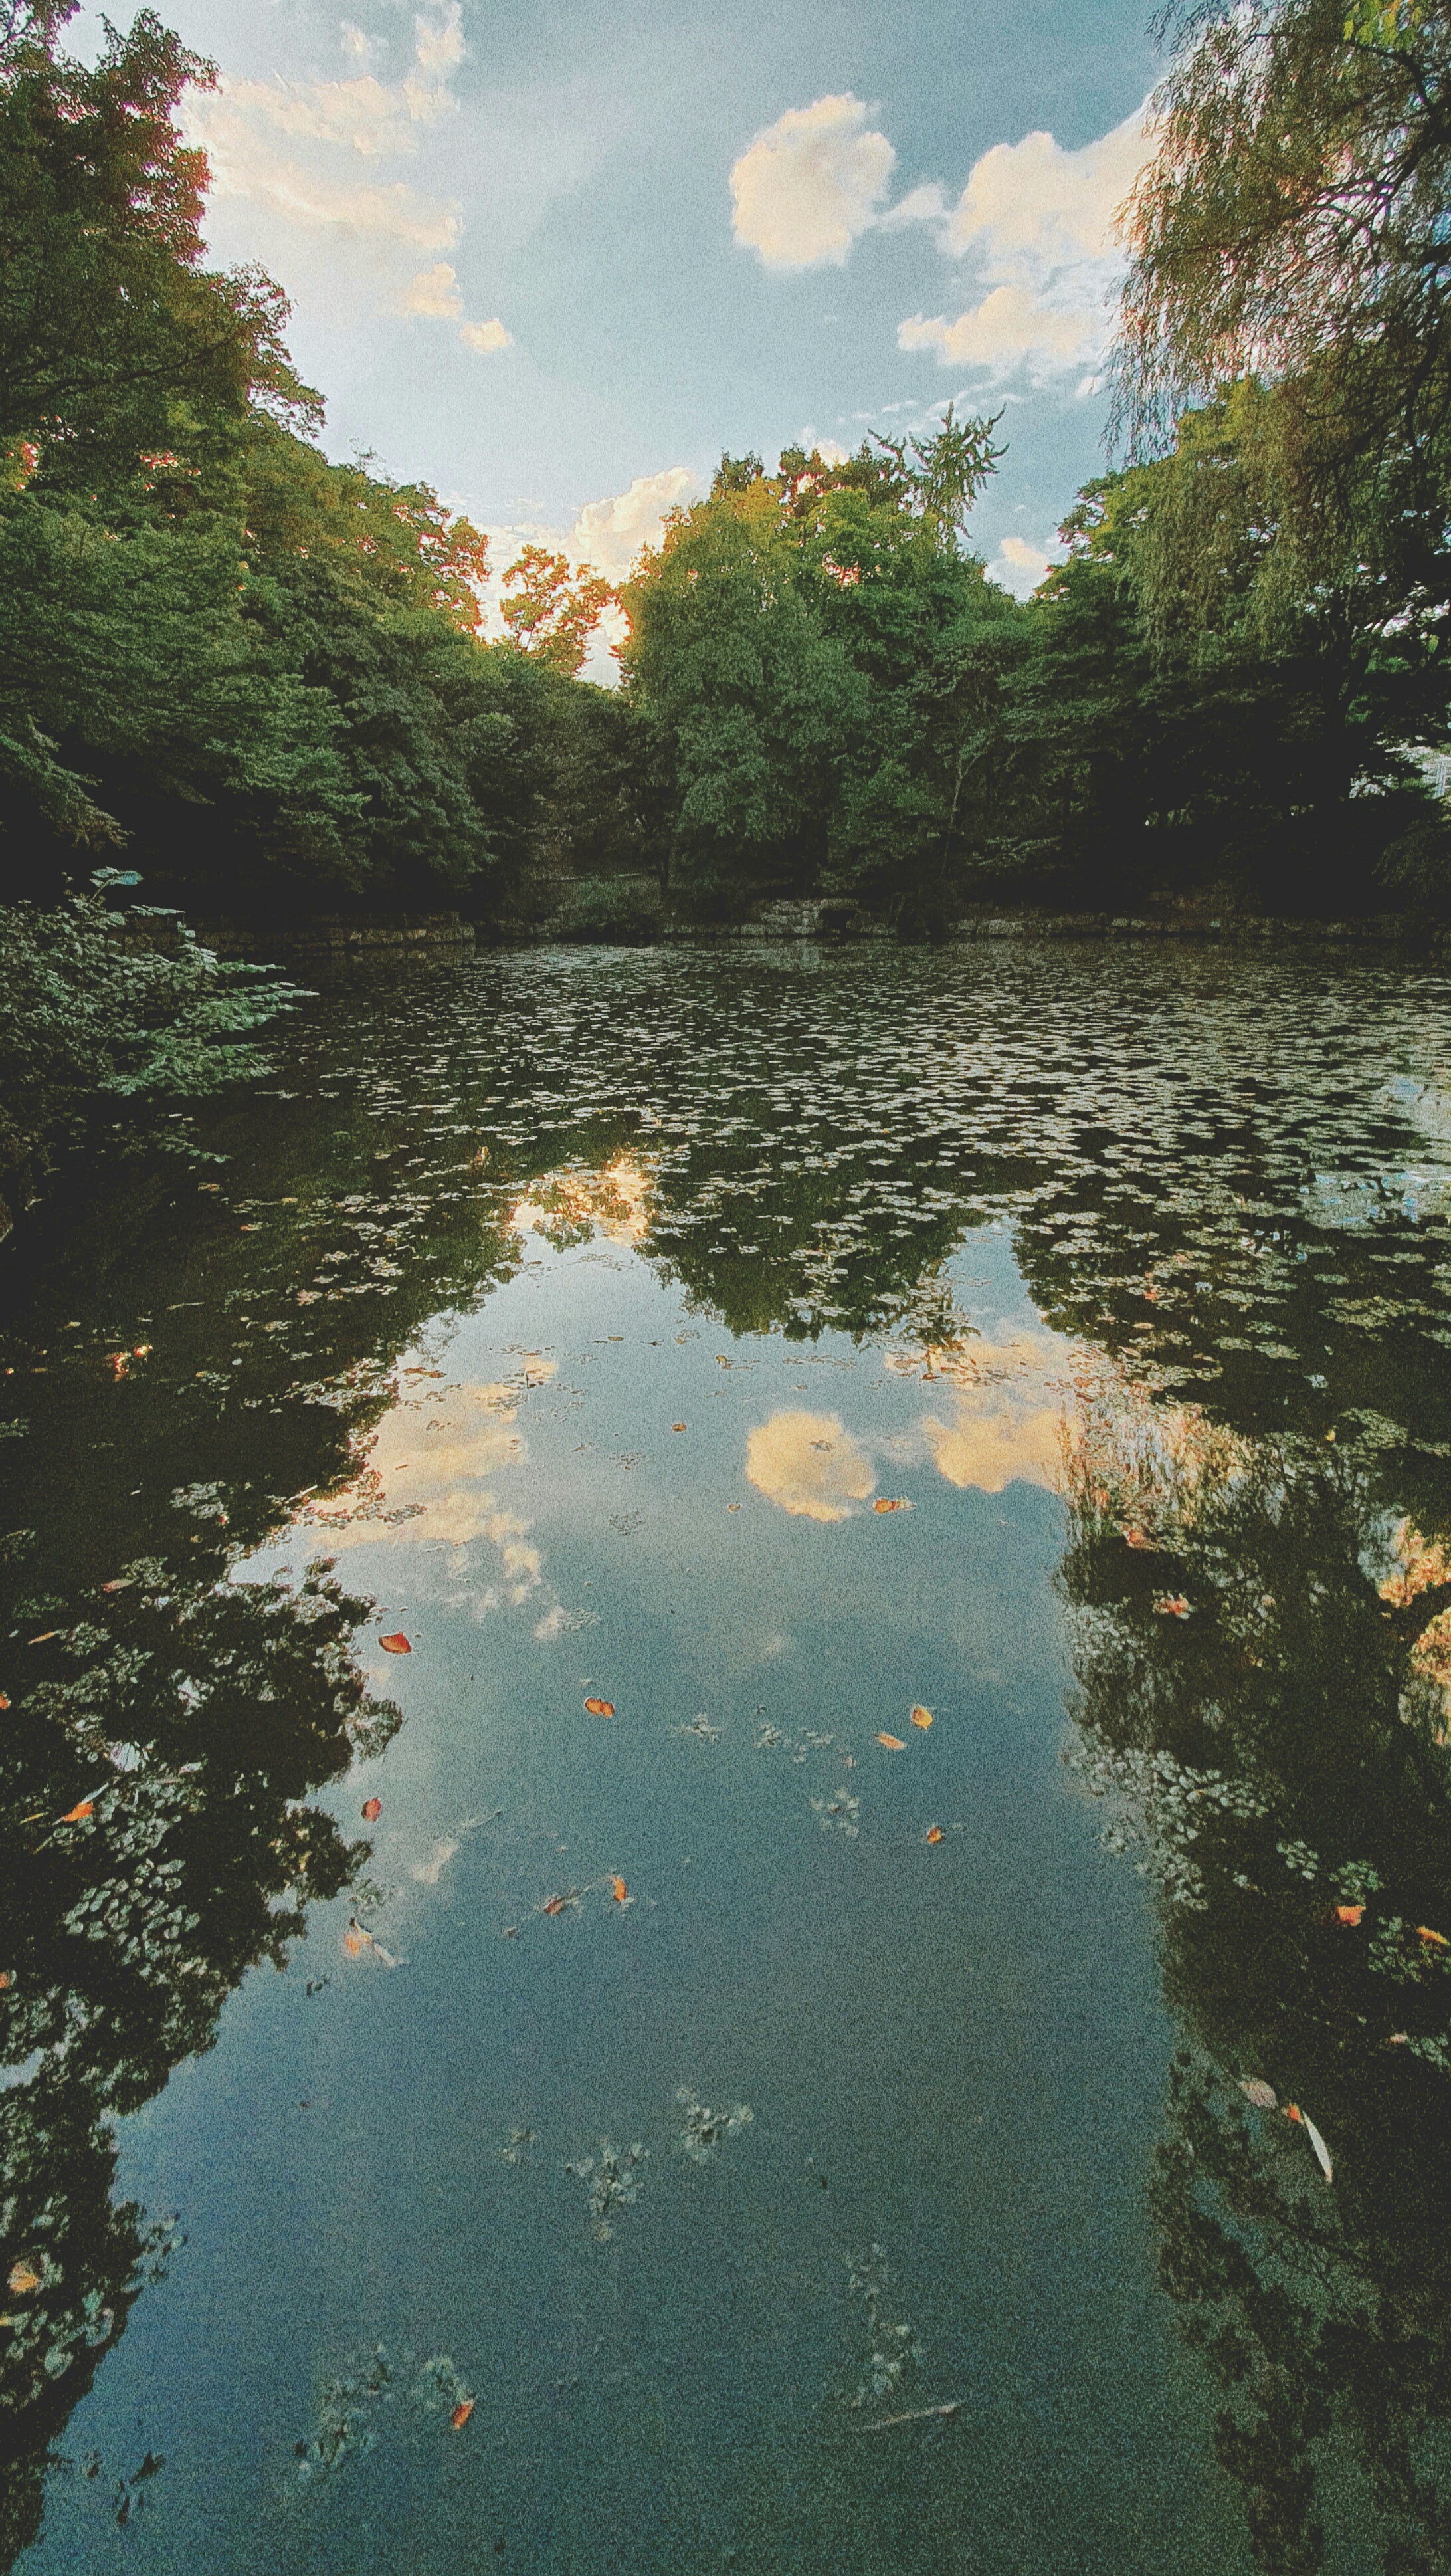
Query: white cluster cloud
[
  {"x": 1037, "y": 223},
  {"x": 1040, "y": 225},
  {"x": 1019, "y": 566},
  {"x": 610, "y": 534},
  {"x": 811, "y": 183},
  {"x": 291, "y": 150}
]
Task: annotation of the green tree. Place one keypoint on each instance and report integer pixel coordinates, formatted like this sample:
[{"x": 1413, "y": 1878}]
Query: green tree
[
  {"x": 107, "y": 315},
  {"x": 809, "y": 649},
  {"x": 1291, "y": 231}
]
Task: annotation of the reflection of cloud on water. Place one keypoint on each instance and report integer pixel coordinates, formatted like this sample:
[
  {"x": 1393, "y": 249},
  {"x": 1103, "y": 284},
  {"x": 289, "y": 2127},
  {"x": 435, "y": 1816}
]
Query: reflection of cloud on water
[
  {"x": 1006, "y": 1424},
  {"x": 423, "y": 1482},
  {"x": 809, "y": 1464}
]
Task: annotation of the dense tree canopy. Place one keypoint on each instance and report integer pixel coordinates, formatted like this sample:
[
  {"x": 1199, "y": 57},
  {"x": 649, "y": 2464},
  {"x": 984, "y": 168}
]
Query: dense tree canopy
[{"x": 264, "y": 673}]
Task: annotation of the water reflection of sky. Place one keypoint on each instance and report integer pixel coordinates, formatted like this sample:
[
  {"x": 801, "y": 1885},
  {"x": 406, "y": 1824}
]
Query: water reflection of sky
[{"x": 777, "y": 1366}]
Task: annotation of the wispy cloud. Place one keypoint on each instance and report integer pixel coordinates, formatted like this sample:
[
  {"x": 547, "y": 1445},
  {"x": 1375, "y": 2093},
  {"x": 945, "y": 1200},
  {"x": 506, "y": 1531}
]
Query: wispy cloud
[{"x": 292, "y": 149}]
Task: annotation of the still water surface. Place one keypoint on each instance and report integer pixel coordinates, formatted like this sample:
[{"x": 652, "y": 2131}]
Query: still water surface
[{"x": 744, "y": 2124}]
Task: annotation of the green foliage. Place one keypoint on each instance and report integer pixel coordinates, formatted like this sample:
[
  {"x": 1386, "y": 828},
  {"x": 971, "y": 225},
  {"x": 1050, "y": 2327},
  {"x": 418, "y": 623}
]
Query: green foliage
[
  {"x": 811, "y": 650},
  {"x": 1289, "y": 236},
  {"x": 259, "y": 671},
  {"x": 107, "y": 317},
  {"x": 88, "y": 1020}
]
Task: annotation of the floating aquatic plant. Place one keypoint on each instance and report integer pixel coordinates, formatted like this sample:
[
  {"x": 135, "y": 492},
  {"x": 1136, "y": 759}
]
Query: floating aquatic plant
[
  {"x": 612, "y": 2180},
  {"x": 704, "y": 2129}
]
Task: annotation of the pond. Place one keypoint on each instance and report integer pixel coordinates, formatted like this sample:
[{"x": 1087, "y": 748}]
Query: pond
[{"x": 726, "y": 1697}]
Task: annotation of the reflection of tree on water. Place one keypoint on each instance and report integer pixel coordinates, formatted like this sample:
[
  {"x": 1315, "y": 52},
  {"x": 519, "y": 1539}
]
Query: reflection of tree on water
[
  {"x": 193, "y": 1718},
  {"x": 1279, "y": 1756},
  {"x": 798, "y": 1155}
]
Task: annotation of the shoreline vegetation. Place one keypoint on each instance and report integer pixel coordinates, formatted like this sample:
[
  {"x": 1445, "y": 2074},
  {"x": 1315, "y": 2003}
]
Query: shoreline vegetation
[{"x": 256, "y": 683}]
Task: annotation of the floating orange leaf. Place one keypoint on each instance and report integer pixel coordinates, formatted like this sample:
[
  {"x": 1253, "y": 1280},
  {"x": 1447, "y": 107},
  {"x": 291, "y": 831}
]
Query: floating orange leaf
[
  {"x": 397, "y": 1644},
  {"x": 461, "y": 2413},
  {"x": 921, "y": 1716},
  {"x": 23, "y": 2278},
  {"x": 621, "y": 1892},
  {"x": 1425, "y": 1933},
  {"x": 557, "y": 1904},
  {"x": 355, "y": 1943},
  {"x": 372, "y": 1810},
  {"x": 1135, "y": 1537},
  {"x": 677, "y": 1426},
  {"x": 78, "y": 1815},
  {"x": 894, "y": 1503},
  {"x": 599, "y": 1708},
  {"x": 1350, "y": 1914},
  {"x": 893, "y": 1743},
  {"x": 935, "y": 1834},
  {"x": 1172, "y": 1605},
  {"x": 4, "y": 1702}
]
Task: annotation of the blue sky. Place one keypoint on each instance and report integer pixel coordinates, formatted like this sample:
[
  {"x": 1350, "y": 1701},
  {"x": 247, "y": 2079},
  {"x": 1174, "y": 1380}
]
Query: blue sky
[{"x": 554, "y": 258}]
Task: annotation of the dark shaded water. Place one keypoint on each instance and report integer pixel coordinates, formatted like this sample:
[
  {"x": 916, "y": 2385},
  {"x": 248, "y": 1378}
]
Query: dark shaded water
[{"x": 753, "y": 2126}]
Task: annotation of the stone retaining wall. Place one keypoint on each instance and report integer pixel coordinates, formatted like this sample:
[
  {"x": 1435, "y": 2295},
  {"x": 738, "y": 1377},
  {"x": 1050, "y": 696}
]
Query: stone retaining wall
[
  {"x": 343, "y": 937},
  {"x": 348, "y": 939}
]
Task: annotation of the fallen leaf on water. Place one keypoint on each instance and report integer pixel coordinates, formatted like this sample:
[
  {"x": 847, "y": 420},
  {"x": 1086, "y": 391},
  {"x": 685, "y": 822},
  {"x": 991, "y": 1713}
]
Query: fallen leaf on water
[
  {"x": 620, "y": 1891},
  {"x": 935, "y": 1834},
  {"x": 1136, "y": 1537},
  {"x": 119, "y": 1583},
  {"x": 921, "y": 1716},
  {"x": 397, "y": 1644},
  {"x": 44, "y": 1638},
  {"x": 23, "y": 2278},
  {"x": 1425, "y": 1933},
  {"x": 1303, "y": 2120},
  {"x": 893, "y": 1743},
  {"x": 599, "y": 1708},
  {"x": 677, "y": 1426},
  {"x": 1350, "y": 1914},
  {"x": 461, "y": 2413},
  {"x": 1172, "y": 1605},
  {"x": 560, "y": 1904},
  {"x": 4, "y": 1702},
  {"x": 77, "y": 1815},
  {"x": 372, "y": 1810},
  {"x": 896, "y": 1503},
  {"x": 1256, "y": 2090},
  {"x": 355, "y": 1943}
]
